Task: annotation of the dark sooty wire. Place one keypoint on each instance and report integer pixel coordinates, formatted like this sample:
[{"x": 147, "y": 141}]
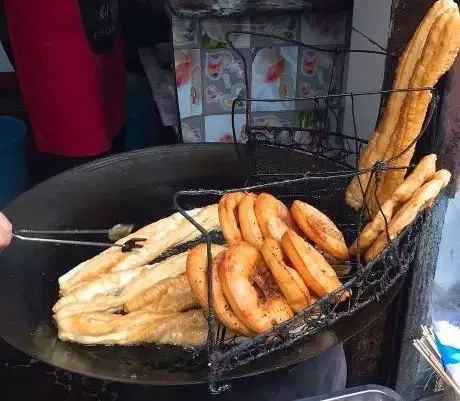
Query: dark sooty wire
[
  {"x": 389, "y": 261},
  {"x": 311, "y": 130},
  {"x": 261, "y": 345},
  {"x": 211, "y": 317},
  {"x": 335, "y": 51},
  {"x": 369, "y": 39},
  {"x": 244, "y": 353},
  {"x": 302, "y": 44},
  {"x": 345, "y": 94},
  {"x": 307, "y": 324}
]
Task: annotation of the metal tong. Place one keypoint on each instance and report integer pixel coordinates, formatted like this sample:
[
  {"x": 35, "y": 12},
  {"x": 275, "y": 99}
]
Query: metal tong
[{"x": 114, "y": 234}]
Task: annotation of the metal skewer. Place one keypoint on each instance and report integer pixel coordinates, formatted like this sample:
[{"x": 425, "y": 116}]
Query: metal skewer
[{"x": 115, "y": 233}]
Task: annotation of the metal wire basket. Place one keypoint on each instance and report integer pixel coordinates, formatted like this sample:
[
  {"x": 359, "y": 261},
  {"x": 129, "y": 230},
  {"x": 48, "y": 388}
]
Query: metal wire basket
[{"x": 323, "y": 189}]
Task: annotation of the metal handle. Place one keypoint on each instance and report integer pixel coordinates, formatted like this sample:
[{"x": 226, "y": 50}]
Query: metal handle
[
  {"x": 117, "y": 232},
  {"x": 126, "y": 247}
]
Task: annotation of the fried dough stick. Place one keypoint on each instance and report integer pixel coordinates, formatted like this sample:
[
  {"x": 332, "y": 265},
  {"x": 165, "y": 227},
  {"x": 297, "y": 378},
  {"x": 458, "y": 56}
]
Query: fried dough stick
[
  {"x": 408, "y": 212},
  {"x": 169, "y": 295},
  {"x": 438, "y": 55},
  {"x": 108, "y": 284},
  {"x": 381, "y": 138},
  {"x": 184, "y": 329},
  {"x": 422, "y": 173},
  {"x": 161, "y": 235},
  {"x": 146, "y": 279}
]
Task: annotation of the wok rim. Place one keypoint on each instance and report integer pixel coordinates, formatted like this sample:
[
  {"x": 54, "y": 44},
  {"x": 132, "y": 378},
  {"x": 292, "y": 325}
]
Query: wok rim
[{"x": 338, "y": 331}]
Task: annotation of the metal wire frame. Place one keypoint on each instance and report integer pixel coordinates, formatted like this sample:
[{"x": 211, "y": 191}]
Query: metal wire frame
[
  {"x": 335, "y": 51},
  {"x": 364, "y": 283}
]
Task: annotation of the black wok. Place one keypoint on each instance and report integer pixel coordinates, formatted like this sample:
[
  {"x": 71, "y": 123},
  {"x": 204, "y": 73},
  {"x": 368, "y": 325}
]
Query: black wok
[{"x": 133, "y": 187}]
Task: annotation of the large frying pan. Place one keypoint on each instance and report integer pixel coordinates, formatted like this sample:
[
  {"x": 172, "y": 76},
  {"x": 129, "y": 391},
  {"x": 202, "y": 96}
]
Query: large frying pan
[{"x": 132, "y": 187}]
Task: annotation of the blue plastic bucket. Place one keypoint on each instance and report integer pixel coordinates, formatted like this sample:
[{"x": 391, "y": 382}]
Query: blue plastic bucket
[{"x": 14, "y": 177}]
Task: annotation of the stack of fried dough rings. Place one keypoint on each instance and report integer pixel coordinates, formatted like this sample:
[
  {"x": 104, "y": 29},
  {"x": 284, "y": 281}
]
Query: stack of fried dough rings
[
  {"x": 279, "y": 260},
  {"x": 276, "y": 261}
]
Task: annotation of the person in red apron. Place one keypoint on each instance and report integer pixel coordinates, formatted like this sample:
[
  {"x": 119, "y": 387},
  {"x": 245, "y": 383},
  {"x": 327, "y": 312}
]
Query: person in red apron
[{"x": 68, "y": 58}]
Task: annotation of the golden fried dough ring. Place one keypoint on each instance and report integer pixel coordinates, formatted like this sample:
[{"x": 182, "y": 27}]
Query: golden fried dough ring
[
  {"x": 250, "y": 290},
  {"x": 314, "y": 269},
  {"x": 320, "y": 229},
  {"x": 169, "y": 295},
  {"x": 197, "y": 268},
  {"x": 408, "y": 212},
  {"x": 249, "y": 226},
  {"x": 228, "y": 209},
  {"x": 289, "y": 281},
  {"x": 273, "y": 216},
  {"x": 341, "y": 267},
  {"x": 378, "y": 144},
  {"x": 422, "y": 172}
]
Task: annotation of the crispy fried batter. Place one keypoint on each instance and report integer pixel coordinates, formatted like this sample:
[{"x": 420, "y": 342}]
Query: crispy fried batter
[
  {"x": 373, "y": 229},
  {"x": 160, "y": 235},
  {"x": 439, "y": 53},
  {"x": 422, "y": 172},
  {"x": 167, "y": 296},
  {"x": 320, "y": 229},
  {"x": 380, "y": 141},
  {"x": 408, "y": 212},
  {"x": 108, "y": 284},
  {"x": 186, "y": 328},
  {"x": 147, "y": 278}
]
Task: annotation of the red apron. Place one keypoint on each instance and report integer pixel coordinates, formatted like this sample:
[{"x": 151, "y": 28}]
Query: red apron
[{"x": 74, "y": 97}]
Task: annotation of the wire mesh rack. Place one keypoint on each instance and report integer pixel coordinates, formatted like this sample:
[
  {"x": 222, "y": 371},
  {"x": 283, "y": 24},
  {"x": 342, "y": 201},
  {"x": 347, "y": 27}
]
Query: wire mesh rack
[{"x": 321, "y": 138}]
